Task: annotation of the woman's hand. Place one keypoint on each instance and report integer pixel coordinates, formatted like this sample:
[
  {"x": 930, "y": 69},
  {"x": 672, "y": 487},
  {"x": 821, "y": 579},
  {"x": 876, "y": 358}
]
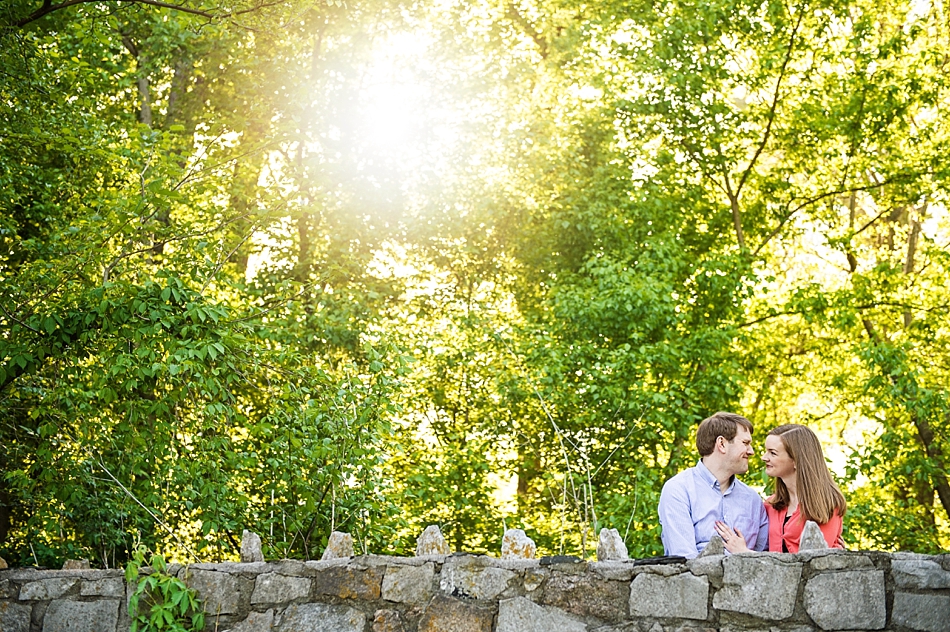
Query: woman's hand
[{"x": 731, "y": 538}]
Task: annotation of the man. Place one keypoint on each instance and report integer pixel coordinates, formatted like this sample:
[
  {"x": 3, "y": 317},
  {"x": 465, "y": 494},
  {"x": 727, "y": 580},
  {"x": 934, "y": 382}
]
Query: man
[{"x": 692, "y": 501}]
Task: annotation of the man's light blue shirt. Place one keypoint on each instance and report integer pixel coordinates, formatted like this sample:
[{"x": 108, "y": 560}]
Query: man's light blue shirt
[{"x": 692, "y": 501}]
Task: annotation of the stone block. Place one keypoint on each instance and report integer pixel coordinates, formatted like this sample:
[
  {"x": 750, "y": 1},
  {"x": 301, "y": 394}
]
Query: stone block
[
  {"x": 522, "y": 615},
  {"x": 251, "y": 547},
  {"x": 431, "y": 542},
  {"x": 445, "y": 614},
  {"x": 388, "y": 621},
  {"x": 256, "y": 622},
  {"x": 666, "y": 570},
  {"x": 836, "y": 561},
  {"x": 847, "y": 600},
  {"x": 603, "y": 599},
  {"x": 339, "y": 546},
  {"x": 408, "y": 584},
  {"x": 517, "y": 544},
  {"x": 277, "y": 588},
  {"x": 308, "y": 617},
  {"x": 926, "y": 613},
  {"x": 7, "y": 589},
  {"x": 470, "y": 577},
  {"x": 759, "y": 584},
  {"x": 349, "y": 583},
  {"x": 611, "y": 546},
  {"x": 14, "y": 617},
  {"x": 81, "y": 616},
  {"x": 618, "y": 570},
  {"x": 707, "y": 566},
  {"x": 76, "y": 565},
  {"x": 220, "y": 593},
  {"x": 740, "y": 627},
  {"x": 922, "y": 574},
  {"x": 714, "y": 548},
  {"x": 105, "y": 587},
  {"x": 44, "y": 589},
  {"x": 812, "y": 538},
  {"x": 682, "y": 596},
  {"x": 534, "y": 578}
]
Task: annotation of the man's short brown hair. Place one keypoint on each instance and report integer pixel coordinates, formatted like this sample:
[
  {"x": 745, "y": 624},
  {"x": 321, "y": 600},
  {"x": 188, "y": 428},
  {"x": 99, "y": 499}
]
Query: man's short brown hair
[{"x": 721, "y": 424}]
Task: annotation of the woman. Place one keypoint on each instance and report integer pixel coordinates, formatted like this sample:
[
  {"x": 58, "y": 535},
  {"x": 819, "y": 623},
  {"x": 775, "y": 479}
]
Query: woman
[{"x": 804, "y": 490}]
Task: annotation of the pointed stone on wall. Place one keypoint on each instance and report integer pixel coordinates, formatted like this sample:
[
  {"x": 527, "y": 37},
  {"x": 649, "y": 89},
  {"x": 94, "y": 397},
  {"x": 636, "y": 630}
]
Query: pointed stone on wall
[
  {"x": 76, "y": 565},
  {"x": 251, "y": 547},
  {"x": 713, "y": 547},
  {"x": 516, "y": 544},
  {"x": 812, "y": 538},
  {"x": 431, "y": 542},
  {"x": 340, "y": 545},
  {"x": 3, "y": 563},
  {"x": 611, "y": 546}
]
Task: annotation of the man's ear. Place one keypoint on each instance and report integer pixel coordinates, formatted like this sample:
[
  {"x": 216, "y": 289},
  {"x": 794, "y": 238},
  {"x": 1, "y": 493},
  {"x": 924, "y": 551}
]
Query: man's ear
[{"x": 721, "y": 443}]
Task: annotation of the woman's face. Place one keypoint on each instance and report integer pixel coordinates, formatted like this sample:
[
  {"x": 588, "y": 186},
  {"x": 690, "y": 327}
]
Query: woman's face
[{"x": 777, "y": 461}]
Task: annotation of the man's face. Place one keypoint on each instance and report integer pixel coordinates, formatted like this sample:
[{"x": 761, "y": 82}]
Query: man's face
[{"x": 738, "y": 451}]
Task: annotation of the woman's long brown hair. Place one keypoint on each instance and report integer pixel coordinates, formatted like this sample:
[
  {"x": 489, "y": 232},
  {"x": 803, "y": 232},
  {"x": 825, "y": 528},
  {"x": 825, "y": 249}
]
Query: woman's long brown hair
[{"x": 818, "y": 496}]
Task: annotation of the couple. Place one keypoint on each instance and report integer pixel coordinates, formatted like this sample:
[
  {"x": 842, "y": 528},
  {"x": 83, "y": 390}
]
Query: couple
[{"x": 708, "y": 500}]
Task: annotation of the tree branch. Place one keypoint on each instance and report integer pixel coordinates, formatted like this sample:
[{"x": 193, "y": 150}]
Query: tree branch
[
  {"x": 48, "y": 8},
  {"x": 772, "y": 108}
]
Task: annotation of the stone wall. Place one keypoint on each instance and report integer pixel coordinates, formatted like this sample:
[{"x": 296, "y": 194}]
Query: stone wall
[{"x": 819, "y": 590}]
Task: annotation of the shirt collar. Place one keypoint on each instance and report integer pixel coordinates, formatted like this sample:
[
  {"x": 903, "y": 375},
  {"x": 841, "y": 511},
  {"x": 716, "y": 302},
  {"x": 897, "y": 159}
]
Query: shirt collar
[{"x": 711, "y": 480}]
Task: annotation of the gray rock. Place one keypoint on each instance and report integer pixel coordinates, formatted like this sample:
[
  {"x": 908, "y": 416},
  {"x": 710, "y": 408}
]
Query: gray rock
[
  {"x": 617, "y": 570},
  {"x": 836, "y": 559},
  {"x": 431, "y": 542},
  {"x": 516, "y": 544},
  {"x": 388, "y": 621},
  {"x": 745, "y": 628},
  {"x": 707, "y": 565},
  {"x": 251, "y": 547},
  {"x": 927, "y": 613},
  {"x": 7, "y": 590},
  {"x": 812, "y": 539},
  {"x": 444, "y": 614},
  {"x": 534, "y": 578},
  {"x": 470, "y": 577},
  {"x": 256, "y": 622},
  {"x": 920, "y": 573},
  {"x": 759, "y": 584},
  {"x": 681, "y": 596},
  {"x": 349, "y": 583},
  {"x": 14, "y": 617},
  {"x": 611, "y": 546},
  {"x": 408, "y": 584},
  {"x": 76, "y": 565},
  {"x": 666, "y": 570},
  {"x": 308, "y": 617},
  {"x": 603, "y": 599},
  {"x": 81, "y": 616},
  {"x": 521, "y": 615},
  {"x": 714, "y": 547},
  {"x": 44, "y": 589},
  {"x": 515, "y": 564},
  {"x": 277, "y": 588},
  {"x": 220, "y": 593},
  {"x": 105, "y": 587},
  {"x": 339, "y": 546},
  {"x": 848, "y": 600}
]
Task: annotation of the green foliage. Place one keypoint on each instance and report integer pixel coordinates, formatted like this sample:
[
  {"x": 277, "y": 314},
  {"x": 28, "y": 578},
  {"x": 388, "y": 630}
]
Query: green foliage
[
  {"x": 235, "y": 295},
  {"x": 160, "y": 601}
]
